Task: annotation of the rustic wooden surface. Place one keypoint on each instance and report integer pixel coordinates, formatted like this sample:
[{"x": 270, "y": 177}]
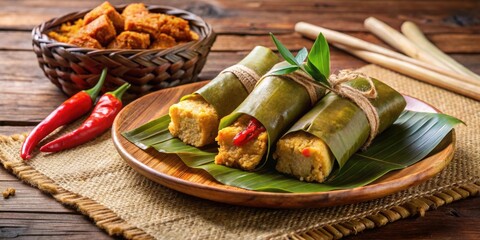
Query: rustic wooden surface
[{"x": 26, "y": 96}]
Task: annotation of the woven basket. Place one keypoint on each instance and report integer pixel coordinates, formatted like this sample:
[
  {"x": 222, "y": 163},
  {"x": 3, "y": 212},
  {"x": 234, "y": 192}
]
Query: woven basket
[{"x": 72, "y": 68}]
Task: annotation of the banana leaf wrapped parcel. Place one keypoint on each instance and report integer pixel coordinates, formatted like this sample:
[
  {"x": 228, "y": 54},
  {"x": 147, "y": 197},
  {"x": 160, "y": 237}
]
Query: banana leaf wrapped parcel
[
  {"x": 247, "y": 134},
  {"x": 287, "y": 126},
  {"x": 195, "y": 119},
  {"x": 335, "y": 128}
]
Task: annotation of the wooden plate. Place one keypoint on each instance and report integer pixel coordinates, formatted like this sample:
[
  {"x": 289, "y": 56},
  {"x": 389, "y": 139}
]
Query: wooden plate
[{"x": 170, "y": 171}]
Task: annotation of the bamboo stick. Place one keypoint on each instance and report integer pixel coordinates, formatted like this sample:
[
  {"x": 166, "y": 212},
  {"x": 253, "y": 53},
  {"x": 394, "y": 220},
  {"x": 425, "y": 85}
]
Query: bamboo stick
[
  {"x": 412, "y": 70},
  {"x": 400, "y": 42},
  {"x": 412, "y": 32},
  {"x": 311, "y": 31}
]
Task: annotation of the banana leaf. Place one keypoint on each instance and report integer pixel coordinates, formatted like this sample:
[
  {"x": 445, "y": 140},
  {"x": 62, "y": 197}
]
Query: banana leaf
[
  {"x": 227, "y": 86},
  {"x": 276, "y": 102},
  {"x": 342, "y": 125},
  {"x": 408, "y": 140},
  {"x": 150, "y": 133}
]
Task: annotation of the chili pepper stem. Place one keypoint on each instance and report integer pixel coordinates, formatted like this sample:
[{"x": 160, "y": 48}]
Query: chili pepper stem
[
  {"x": 93, "y": 92},
  {"x": 120, "y": 91}
]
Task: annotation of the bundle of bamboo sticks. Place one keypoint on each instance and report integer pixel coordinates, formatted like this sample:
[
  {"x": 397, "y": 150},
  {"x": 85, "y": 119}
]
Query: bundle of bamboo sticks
[{"x": 424, "y": 61}]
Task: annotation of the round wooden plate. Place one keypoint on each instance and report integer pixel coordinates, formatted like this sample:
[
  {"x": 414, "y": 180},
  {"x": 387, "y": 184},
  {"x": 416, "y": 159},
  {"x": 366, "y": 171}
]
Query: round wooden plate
[{"x": 169, "y": 170}]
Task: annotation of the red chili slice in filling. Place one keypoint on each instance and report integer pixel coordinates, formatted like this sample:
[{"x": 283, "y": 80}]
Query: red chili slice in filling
[
  {"x": 306, "y": 152},
  {"x": 252, "y": 131}
]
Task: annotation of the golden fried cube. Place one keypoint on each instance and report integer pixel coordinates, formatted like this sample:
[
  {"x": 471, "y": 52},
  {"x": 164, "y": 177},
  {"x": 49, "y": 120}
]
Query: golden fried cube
[
  {"x": 85, "y": 41},
  {"x": 105, "y": 9},
  {"x": 101, "y": 29},
  {"x": 155, "y": 24},
  {"x": 176, "y": 27},
  {"x": 163, "y": 41},
  {"x": 144, "y": 23},
  {"x": 130, "y": 40},
  {"x": 134, "y": 9}
]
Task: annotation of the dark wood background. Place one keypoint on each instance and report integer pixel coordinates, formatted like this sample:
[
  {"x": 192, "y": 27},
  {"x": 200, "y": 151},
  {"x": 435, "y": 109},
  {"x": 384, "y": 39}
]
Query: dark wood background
[{"x": 27, "y": 96}]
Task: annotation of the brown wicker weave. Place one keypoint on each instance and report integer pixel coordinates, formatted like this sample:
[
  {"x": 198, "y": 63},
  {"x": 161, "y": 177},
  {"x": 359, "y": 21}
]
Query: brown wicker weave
[{"x": 72, "y": 68}]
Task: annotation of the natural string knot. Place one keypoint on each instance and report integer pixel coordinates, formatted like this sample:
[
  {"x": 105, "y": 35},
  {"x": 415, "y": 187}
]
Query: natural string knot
[
  {"x": 247, "y": 76},
  {"x": 359, "y": 97},
  {"x": 314, "y": 91}
]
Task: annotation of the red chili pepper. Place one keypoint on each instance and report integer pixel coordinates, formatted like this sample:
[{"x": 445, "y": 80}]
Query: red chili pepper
[
  {"x": 306, "y": 152},
  {"x": 100, "y": 120},
  {"x": 252, "y": 131},
  {"x": 71, "y": 109}
]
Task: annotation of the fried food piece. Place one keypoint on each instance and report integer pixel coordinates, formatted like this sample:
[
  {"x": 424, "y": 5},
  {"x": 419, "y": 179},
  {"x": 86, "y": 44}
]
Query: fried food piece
[
  {"x": 130, "y": 40},
  {"x": 101, "y": 29},
  {"x": 176, "y": 27},
  {"x": 8, "y": 192},
  {"x": 100, "y": 26},
  {"x": 145, "y": 23},
  {"x": 134, "y": 9},
  {"x": 155, "y": 24},
  {"x": 193, "y": 35},
  {"x": 60, "y": 37},
  {"x": 194, "y": 121},
  {"x": 163, "y": 41},
  {"x": 106, "y": 9},
  {"x": 83, "y": 40},
  {"x": 66, "y": 31}
]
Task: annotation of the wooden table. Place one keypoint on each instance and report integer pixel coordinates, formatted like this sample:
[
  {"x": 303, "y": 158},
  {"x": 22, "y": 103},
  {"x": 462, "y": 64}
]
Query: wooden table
[{"x": 27, "y": 96}]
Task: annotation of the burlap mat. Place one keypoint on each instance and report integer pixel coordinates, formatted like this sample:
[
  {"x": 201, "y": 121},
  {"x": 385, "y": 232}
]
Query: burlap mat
[{"x": 95, "y": 180}]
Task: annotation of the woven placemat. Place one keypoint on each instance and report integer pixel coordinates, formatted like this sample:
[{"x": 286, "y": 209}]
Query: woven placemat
[{"x": 96, "y": 181}]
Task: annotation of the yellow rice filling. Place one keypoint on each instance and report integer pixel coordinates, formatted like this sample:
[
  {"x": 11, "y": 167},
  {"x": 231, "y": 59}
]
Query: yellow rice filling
[
  {"x": 245, "y": 157},
  {"x": 304, "y": 156},
  {"x": 194, "y": 121}
]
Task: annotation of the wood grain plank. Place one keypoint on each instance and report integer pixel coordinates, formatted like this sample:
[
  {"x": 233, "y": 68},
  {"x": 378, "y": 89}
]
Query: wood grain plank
[
  {"x": 458, "y": 220},
  {"x": 226, "y": 17},
  {"x": 15, "y": 40},
  {"x": 26, "y": 198},
  {"x": 464, "y": 43},
  {"x": 47, "y": 225},
  {"x": 26, "y": 94},
  {"x": 31, "y": 214},
  {"x": 275, "y": 5},
  {"x": 10, "y": 130},
  {"x": 6, "y": 177}
]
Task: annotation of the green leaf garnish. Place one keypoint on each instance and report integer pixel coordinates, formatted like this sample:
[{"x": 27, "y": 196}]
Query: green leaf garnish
[
  {"x": 301, "y": 56},
  {"x": 286, "y": 54},
  {"x": 319, "y": 55},
  {"x": 285, "y": 70},
  {"x": 316, "y": 74},
  {"x": 318, "y": 60}
]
